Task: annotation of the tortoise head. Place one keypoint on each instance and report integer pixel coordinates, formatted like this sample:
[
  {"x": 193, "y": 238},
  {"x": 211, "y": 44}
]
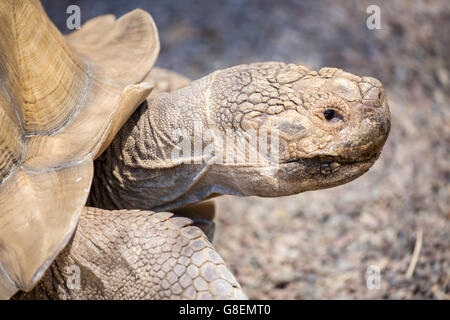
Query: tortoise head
[{"x": 326, "y": 127}]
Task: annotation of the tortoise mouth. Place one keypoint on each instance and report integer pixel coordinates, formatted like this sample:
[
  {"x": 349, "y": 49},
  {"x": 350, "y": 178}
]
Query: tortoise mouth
[
  {"x": 329, "y": 159},
  {"x": 324, "y": 171}
]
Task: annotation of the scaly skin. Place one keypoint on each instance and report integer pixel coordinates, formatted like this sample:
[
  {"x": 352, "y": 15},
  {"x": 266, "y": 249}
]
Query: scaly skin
[
  {"x": 137, "y": 170},
  {"x": 137, "y": 255}
]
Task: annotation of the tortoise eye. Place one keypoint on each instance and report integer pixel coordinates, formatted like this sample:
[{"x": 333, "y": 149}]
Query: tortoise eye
[{"x": 329, "y": 114}]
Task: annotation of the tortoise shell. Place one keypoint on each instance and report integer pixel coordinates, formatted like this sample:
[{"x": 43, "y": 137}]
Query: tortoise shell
[{"x": 62, "y": 100}]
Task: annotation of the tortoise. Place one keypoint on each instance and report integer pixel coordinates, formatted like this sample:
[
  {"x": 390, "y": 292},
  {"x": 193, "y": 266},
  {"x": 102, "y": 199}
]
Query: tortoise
[{"x": 98, "y": 198}]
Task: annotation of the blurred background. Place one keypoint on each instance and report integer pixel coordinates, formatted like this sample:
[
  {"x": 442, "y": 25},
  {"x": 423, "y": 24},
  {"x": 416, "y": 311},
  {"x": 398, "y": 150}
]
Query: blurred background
[{"x": 320, "y": 244}]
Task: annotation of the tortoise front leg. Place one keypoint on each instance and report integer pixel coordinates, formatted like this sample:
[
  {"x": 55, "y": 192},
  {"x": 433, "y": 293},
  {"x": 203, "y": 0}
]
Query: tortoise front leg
[{"x": 134, "y": 254}]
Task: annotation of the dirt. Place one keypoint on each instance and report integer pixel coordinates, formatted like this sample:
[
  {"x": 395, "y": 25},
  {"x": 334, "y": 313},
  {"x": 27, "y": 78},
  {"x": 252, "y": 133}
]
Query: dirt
[{"x": 321, "y": 244}]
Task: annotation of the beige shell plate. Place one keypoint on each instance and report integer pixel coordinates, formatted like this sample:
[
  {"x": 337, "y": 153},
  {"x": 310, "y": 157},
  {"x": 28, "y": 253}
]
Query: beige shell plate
[{"x": 62, "y": 100}]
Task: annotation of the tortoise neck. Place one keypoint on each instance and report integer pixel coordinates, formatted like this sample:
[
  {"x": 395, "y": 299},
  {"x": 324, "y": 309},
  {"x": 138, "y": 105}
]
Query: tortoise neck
[{"x": 146, "y": 166}]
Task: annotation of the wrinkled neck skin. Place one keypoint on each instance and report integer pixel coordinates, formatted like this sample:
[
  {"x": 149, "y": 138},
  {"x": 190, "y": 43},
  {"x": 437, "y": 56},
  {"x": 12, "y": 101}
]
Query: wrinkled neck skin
[
  {"x": 137, "y": 169},
  {"x": 159, "y": 160},
  {"x": 185, "y": 146}
]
